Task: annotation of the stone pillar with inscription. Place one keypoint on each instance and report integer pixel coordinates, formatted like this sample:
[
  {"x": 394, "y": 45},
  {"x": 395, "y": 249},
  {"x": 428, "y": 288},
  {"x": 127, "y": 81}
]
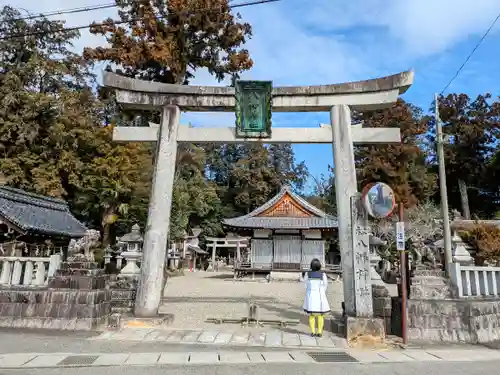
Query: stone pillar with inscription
[
  {"x": 361, "y": 259},
  {"x": 362, "y": 322}
]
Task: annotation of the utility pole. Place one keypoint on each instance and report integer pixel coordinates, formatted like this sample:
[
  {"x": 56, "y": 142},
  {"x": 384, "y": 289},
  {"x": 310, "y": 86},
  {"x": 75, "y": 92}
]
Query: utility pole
[
  {"x": 442, "y": 187},
  {"x": 404, "y": 276}
]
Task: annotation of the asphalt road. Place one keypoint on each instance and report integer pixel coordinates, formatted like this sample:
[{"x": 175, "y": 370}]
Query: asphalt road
[{"x": 429, "y": 368}]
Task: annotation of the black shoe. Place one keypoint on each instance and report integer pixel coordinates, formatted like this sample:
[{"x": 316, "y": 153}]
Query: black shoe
[{"x": 319, "y": 335}]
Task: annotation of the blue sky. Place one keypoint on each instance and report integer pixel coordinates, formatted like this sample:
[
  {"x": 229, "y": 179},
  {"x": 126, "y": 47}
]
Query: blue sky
[{"x": 308, "y": 42}]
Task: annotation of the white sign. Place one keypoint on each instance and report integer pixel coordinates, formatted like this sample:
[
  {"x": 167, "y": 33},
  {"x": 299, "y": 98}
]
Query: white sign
[{"x": 400, "y": 235}]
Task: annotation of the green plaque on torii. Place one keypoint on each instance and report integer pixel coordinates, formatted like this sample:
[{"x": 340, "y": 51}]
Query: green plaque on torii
[{"x": 253, "y": 109}]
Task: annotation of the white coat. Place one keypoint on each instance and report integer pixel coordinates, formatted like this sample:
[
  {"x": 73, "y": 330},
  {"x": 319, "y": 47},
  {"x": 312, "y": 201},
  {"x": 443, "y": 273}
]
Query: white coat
[{"x": 315, "y": 301}]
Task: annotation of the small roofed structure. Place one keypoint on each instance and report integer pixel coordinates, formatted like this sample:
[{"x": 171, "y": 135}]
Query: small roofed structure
[
  {"x": 287, "y": 232},
  {"x": 133, "y": 240},
  {"x": 32, "y": 218},
  {"x": 33, "y": 213},
  {"x": 192, "y": 248}
]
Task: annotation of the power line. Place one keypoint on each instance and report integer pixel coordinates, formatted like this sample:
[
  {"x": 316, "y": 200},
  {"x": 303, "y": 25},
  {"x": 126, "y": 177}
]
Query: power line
[
  {"x": 85, "y": 8},
  {"x": 470, "y": 54},
  {"x": 75, "y": 28},
  {"x": 66, "y": 11},
  {"x": 61, "y": 12}
]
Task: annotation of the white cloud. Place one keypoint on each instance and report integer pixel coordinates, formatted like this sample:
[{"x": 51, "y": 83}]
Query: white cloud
[
  {"x": 432, "y": 26},
  {"x": 416, "y": 27},
  {"x": 298, "y": 42},
  {"x": 286, "y": 52},
  {"x": 280, "y": 46},
  {"x": 324, "y": 41}
]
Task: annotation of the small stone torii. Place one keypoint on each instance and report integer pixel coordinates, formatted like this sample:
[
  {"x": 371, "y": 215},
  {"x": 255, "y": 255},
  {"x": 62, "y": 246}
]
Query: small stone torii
[
  {"x": 338, "y": 99},
  {"x": 238, "y": 243}
]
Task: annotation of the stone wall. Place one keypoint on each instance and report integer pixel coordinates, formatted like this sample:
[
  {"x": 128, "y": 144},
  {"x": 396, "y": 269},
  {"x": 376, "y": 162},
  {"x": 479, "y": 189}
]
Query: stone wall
[
  {"x": 123, "y": 293},
  {"x": 431, "y": 284},
  {"x": 382, "y": 305},
  {"x": 454, "y": 320},
  {"x": 75, "y": 299}
]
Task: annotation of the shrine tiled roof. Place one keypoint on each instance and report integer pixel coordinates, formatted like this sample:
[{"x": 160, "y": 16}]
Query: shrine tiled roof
[
  {"x": 197, "y": 249},
  {"x": 257, "y": 219},
  {"x": 40, "y": 214}
]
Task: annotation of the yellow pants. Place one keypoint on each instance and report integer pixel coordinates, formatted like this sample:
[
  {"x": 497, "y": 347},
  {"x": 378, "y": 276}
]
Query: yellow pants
[{"x": 312, "y": 323}]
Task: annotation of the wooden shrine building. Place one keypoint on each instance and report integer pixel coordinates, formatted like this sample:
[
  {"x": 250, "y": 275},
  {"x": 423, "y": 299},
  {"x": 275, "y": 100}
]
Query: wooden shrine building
[
  {"x": 32, "y": 224},
  {"x": 286, "y": 233}
]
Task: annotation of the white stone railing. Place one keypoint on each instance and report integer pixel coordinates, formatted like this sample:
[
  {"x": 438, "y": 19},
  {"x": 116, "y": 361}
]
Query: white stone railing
[
  {"x": 473, "y": 281},
  {"x": 27, "y": 271}
]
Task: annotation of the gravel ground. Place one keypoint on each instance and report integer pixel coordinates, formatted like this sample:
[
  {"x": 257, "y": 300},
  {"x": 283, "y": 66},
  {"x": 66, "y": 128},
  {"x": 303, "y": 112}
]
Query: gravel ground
[{"x": 196, "y": 296}]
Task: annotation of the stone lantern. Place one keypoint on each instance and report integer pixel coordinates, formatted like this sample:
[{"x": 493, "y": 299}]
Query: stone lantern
[
  {"x": 460, "y": 251},
  {"x": 133, "y": 251},
  {"x": 374, "y": 243},
  {"x": 133, "y": 240},
  {"x": 108, "y": 254},
  {"x": 196, "y": 232}
]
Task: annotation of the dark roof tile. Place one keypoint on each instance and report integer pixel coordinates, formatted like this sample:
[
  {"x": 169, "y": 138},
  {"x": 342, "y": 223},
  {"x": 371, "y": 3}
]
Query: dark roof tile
[{"x": 40, "y": 214}]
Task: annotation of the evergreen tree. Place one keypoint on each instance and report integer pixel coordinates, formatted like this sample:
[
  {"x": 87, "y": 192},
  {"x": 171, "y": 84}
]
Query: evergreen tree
[
  {"x": 51, "y": 124},
  {"x": 168, "y": 40},
  {"x": 472, "y": 128},
  {"x": 403, "y": 166}
]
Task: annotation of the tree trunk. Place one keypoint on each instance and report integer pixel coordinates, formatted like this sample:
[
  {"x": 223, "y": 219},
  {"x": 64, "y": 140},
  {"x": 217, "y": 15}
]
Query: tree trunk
[
  {"x": 106, "y": 235},
  {"x": 479, "y": 261},
  {"x": 108, "y": 219},
  {"x": 464, "y": 198}
]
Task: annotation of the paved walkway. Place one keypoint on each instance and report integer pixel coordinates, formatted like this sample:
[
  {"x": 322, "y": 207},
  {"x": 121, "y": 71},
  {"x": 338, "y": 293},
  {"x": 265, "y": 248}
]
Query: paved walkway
[
  {"x": 63, "y": 360},
  {"x": 242, "y": 337}
]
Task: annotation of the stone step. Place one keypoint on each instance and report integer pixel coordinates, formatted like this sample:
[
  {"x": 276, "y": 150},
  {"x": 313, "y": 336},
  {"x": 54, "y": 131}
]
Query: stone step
[
  {"x": 429, "y": 277},
  {"x": 429, "y": 281},
  {"x": 431, "y": 287},
  {"x": 429, "y": 292},
  {"x": 338, "y": 328},
  {"x": 336, "y": 324},
  {"x": 418, "y": 291},
  {"x": 429, "y": 273}
]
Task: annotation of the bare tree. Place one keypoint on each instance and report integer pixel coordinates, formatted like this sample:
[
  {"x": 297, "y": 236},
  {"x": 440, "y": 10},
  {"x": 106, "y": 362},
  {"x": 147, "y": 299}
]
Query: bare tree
[{"x": 422, "y": 227}]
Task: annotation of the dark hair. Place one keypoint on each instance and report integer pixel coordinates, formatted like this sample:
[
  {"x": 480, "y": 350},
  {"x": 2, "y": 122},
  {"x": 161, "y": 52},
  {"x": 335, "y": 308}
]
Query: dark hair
[{"x": 315, "y": 265}]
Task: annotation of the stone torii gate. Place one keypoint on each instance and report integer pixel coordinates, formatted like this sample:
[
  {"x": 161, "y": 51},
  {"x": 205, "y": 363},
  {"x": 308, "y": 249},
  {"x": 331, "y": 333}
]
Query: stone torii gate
[
  {"x": 338, "y": 99},
  {"x": 238, "y": 243}
]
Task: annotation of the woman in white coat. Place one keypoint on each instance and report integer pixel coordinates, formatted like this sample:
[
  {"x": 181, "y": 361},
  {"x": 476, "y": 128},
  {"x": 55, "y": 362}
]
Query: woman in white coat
[{"x": 315, "y": 302}]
